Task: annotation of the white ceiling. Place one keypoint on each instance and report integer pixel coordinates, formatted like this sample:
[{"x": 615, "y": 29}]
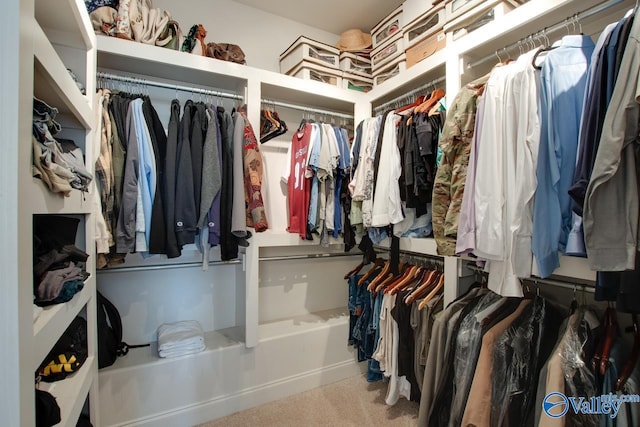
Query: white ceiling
[{"x": 334, "y": 16}]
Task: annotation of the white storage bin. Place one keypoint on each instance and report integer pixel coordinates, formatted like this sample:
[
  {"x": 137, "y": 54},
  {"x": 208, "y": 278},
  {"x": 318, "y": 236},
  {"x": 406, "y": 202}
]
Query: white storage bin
[
  {"x": 312, "y": 71},
  {"x": 356, "y": 82},
  {"x": 476, "y": 18},
  {"x": 387, "y": 28},
  {"x": 427, "y": 24},
  {"x": 392, "y": 69},
  {"x": 456, "y": 8},
  {"x": 306, "y": 49},
  {"x": 414, "y": 9},
  {"x": 386, "y": 53},
  {"x": 356, "y": 64}
]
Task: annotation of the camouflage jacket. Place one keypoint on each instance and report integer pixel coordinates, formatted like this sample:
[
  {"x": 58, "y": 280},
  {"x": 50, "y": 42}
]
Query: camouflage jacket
[{"x": 455, "y": 143}]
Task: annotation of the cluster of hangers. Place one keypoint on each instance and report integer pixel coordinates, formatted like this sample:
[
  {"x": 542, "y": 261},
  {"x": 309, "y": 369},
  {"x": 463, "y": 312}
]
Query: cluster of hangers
[
  {"x": 540, "y": 39},
  {"x": 271, "y": 125},
  {"x": 141, "y": 86},
  {"x": 309, "y": 116},
  {"x": 423, "y": 276},
  {"x": 410, "y": 97}
]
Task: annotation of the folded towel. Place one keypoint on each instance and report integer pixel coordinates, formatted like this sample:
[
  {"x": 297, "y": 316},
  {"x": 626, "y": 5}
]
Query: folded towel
[{"x": 180, "y": 338}]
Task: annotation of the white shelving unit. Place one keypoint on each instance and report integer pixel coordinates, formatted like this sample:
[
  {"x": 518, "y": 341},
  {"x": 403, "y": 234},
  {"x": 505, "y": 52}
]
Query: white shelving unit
[
  {"x": 49, "y": 37},
  {"x": 235, "y": 371}
]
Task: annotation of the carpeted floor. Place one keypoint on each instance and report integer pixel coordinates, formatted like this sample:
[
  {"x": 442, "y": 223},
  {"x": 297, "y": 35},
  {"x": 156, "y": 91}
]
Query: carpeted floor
[{"x": 351, "y": 402}]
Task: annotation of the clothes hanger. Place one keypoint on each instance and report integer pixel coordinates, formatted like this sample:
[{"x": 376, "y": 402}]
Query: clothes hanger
[
  {"x": 379, "y": 262},
  {"x": 574, "y": 303},
  {"x": 414, "y": 104},
  {"x": 410, "y": 277},
  {"x": 391, "y": 280},
  {"x": 436, "y": 96},
  {"x": 433, "y": 293},
  {"x": 430, "y": 279},
  {"x": 381, "y": 276},
  {"x": 355, "y": 270},
  {"x": 610, "y": 334},
  {"x": 633, "y": 358},
  {"x": 548, "y": 48}
]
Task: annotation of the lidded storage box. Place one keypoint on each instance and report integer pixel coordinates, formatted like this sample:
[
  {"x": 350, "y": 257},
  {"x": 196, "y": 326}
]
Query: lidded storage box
[
  {"x": 387, "y": 28},
  {"x": 424, "y": 26},
  {"x": 387, "y": 52},
  {"x": 456, "y": 8},
  {"x": 356, "y": 82},
  {"x": 312, "y": 71},
  {"x": 308, "y": 50},
  {"x": 414, "y": 9},
  {"x": 390, "y": 70},
  {"x": 358, "y": 64},
  {"x": 475, "y": 18}
]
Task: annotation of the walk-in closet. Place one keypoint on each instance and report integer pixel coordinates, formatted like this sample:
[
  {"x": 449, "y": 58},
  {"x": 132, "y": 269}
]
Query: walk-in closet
[{"x": 400, "y": 210}]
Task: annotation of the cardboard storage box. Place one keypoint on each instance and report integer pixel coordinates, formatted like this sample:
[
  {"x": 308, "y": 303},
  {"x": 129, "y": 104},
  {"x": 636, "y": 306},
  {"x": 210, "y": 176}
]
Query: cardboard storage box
[
  {"x": 476, "y": 18},
  {"x": 424, "y": 26},
  {"x": 387, "y": 28},
  {"x": 386, "y": 53},
  {"x": 312, "y": 71},
  {"x": 305, "y": 49},
  {"x": 356, "y": 82},
  {"x": 392, "y": 69},
  {"x": 358, "y": 64},
  {"x": 426, "y": 48}
]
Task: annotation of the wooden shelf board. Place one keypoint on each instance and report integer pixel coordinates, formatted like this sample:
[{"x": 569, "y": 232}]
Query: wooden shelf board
[{"x": 67, "y": 16}]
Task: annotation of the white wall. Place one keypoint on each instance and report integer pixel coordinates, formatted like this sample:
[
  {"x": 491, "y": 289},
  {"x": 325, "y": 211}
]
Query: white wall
[{"x": 262, "y": 36}]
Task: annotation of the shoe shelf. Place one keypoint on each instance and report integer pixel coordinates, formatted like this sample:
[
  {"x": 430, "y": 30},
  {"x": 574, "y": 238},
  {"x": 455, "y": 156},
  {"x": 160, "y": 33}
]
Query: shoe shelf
[{"x": 54, "y": 320}]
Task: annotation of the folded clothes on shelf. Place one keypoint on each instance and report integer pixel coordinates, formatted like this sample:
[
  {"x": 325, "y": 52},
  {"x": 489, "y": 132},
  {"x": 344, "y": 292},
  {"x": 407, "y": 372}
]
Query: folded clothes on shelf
[{"x": 180, "y": 338}]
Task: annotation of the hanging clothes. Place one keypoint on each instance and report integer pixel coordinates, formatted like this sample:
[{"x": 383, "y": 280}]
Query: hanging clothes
[
  {"x": 611, "y": 201},
  {"x": 562, "y": 88},
  {"x": 455, "y": 143}
]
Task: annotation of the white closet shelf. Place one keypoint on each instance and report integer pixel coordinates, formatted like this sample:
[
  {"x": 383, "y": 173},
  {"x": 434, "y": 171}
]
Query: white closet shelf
[
  {"x": 44, "y": 201},
  {"x": 147, "y": 356},
  {"x": 303, "y": 324},
  {"x": 575, "y": 268},
  {"x": 299, "y": 91},
  {"x": 55, "y": 319},
  {"x": 526, "y": 19},
  {"x": 421, "y": 73},
  {"x": 272, "y": 238},
  {"x": 54, "y": 85},
  {"x": 135, "y": 58},
  {"x": 66, "y": 16},
  {"x": 72, "y": 392},
  {"x": 425, "y": 245}
]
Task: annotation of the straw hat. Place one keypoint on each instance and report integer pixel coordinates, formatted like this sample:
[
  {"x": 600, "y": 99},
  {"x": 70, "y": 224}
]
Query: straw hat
[{"x": 354, "y": 40}]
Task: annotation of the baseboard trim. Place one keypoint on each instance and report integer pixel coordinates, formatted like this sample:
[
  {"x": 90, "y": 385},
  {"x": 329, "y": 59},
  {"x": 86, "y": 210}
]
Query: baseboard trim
[{"x": 250, "y": 397}]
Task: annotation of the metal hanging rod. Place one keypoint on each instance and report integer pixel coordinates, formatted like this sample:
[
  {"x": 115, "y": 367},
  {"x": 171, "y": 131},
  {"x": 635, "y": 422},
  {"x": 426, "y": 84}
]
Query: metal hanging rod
[
  {"x": 412, "y": 92},
  {"x": 560, "y": 284},
  {"x": 182, "y": 88},
  {"x": 308, "y": 256},
  {"x": 537, "y": 281},
  {"x": 307, "y": 109},
  {"x": 435, "y": 258},
  {"x": 587, "y": 13},
  {"x": 165, "y": 266}
]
